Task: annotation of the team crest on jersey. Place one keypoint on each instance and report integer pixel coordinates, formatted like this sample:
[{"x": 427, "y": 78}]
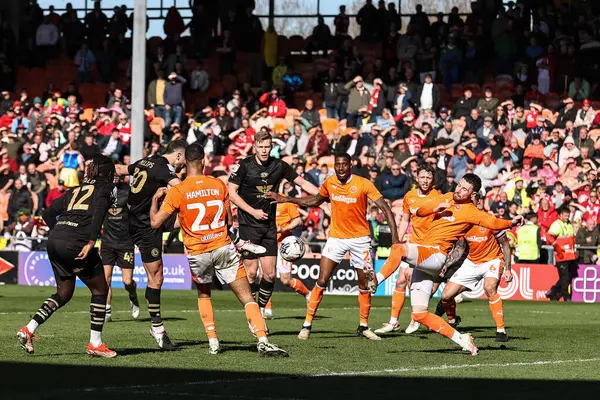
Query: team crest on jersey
[
  {"x": 353, "y": 189},
  {"x": 482, "y": 229},
  {"x": 264, "y": 175}
]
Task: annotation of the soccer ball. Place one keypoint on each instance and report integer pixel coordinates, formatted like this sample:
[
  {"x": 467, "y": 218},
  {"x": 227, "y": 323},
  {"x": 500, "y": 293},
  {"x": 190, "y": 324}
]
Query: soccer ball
[{"x": 291, "y": 248}]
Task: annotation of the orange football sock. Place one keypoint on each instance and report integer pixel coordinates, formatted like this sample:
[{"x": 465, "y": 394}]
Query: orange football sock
[
  {"x": 207, "y": 316},
  {"x": 435, "y": 323},
  {"x": 497, "y": 311},
  {"x": 313, "y": 304},
  {"x": 398, "y": 298},
  {"x": 269, "y": 305},
  {"x": 364, "y": 303},
  {"x": 299, "y": 287},
  {"x": 255, "y": 319},
  {"x": 392, "y": 263},
  {"x": 450, "y": 308}
]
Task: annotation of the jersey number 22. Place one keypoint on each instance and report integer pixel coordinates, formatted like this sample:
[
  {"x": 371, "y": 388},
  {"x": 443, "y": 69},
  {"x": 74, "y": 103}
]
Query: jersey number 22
[{"x": 201, "y": 207}]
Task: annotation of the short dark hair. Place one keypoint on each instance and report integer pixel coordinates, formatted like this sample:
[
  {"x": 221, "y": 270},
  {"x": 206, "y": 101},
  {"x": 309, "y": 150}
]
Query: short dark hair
[
  {"x": 563, "y": 208},
  {"x": 427, "y": 168},
  {"x": 261, "y": 136},
  {"x": 474, "y": 181},
  {"x": 194, "y": 153},
  {"x": 343, "y": 155},
  {"x": 176, "y": 145}
]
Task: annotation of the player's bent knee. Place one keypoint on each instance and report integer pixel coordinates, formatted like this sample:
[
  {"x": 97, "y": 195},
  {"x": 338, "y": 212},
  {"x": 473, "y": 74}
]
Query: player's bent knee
[
  {"x": 285, "y": 279},
  {"x": 419, "y": 314},
  {"x": 490, "y": 291}
]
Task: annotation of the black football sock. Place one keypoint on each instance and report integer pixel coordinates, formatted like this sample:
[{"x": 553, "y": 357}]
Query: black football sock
[
  {"x": 254, "y": 289},
  {"x": 265, "y": 291},
  {"x": 439, "y": 309},
  {"x": 97, "y": 315},
  {"x": 153, "y": 299},
  {"x": 48, "y": 307}
]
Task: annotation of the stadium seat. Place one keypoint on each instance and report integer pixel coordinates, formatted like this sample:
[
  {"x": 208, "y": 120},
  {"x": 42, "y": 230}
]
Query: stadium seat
[
  {"x": 330, "y": 125},
  {"x": 293, "y": 112}
]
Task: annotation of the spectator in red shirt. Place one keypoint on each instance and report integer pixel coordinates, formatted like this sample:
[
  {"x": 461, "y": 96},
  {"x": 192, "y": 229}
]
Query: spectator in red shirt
[
  {"x": 124, "y": 128},
  {"x": 6, "y": 160},
  {"x": 532, "y": 115},
  {"x": 56, "y": 193},
  {"x": 7, "y": 119},
  {"x": 276, "y": 107}
]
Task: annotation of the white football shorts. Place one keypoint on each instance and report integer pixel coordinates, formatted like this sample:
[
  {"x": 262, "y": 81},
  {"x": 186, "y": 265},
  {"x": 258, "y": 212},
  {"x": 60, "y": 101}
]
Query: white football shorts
[
  {"x": 470, "y": 274},
  {"x": 359, "y": 248},
  {"x": 223, "y": 262}
]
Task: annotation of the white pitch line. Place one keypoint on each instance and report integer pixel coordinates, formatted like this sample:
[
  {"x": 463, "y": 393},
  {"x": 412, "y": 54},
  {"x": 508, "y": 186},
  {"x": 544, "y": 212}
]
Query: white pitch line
[{"x": 140, "y": 388}]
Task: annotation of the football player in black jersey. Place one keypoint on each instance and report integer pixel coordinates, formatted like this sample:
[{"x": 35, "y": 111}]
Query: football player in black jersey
[
  {"x": 147, "y": 176},
  {"x": 71, "y": 251},
  {"x": 117, "y": 247},
  {"x": 250, "y": 180}
]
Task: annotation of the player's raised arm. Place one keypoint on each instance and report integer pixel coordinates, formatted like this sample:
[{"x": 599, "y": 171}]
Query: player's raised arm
[
  {"x": 306, "y": 185},
  {"x": 310, "y": 201},
  {"x": 433, "y": 207},
  {"x": 391, "y": 220},
  {"x": 122, "y": 169},
  {"x": 489, "y": 221},
  {"x": 158, "y": 217}
]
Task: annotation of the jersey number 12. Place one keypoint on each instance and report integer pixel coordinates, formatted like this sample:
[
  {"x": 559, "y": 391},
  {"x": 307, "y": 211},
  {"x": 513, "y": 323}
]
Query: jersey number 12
[{"x": 79, "y": 204}]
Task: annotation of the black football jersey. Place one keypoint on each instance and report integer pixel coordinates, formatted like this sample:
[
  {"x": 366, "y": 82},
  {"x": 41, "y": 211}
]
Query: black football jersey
[
  {"x": 115, "y": 233},
  {"x": 254, "y": 181},
  {"x": 80, "y": 212},
  {"x": 148, "y": 175}
]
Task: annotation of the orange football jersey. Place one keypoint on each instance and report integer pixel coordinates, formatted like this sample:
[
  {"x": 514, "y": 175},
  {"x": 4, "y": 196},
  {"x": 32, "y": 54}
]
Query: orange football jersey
[
  {"x": 452, "y": 224},
  {"x": 202, "y": 203},
  {"x": 349, "y": 205},
  {"x": 483, "y": 246},
  {"x": 410, "y": 205},
  {"x": 286, "y": 213}
]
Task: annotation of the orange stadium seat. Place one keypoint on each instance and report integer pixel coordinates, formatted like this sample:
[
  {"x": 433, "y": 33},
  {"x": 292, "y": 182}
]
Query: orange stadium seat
[{"x": 330, "y": 125}]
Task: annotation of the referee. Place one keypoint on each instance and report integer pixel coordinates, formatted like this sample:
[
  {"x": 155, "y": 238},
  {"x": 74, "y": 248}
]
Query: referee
[{"x": 250, "y": 180}]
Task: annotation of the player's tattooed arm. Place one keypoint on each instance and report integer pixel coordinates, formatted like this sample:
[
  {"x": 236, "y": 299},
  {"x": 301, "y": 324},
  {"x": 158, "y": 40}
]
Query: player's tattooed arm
[
  {"x": 310, "y": 201},
  {"x": 456, "y": 252},
  {"x": 506, "y": 252},
  {"x": 389, "y": 216}
]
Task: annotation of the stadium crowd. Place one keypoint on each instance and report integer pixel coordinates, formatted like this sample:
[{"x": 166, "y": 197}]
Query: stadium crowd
[{"x": 509, "y": 94}]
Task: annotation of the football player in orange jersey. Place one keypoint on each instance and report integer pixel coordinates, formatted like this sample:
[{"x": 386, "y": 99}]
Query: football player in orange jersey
[
  {"x": 287, "y": 218},
  {"x": 420, "y": 225},
  {"x": 455, "y": 215},
  {"x": 348, "y": 195},
  {"x": 489, "y": 258},
  {"x": 204, "y": 211}
]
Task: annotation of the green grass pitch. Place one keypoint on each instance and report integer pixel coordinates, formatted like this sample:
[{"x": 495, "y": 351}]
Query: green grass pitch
[{"x": 554, "y": 351}]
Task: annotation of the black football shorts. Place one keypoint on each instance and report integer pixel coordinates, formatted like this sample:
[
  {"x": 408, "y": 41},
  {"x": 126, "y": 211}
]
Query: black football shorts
[
  {"x": 123, "y": 258},
  {"x": 265, "y": 236},
  {"x": 62, "y": 254}
]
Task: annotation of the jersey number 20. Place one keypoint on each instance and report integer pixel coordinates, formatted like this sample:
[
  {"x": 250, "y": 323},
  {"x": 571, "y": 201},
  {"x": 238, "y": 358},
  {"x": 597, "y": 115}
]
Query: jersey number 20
[
  {"x": 80, "y": 204},
  {"x": 201, "y": 207}
]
